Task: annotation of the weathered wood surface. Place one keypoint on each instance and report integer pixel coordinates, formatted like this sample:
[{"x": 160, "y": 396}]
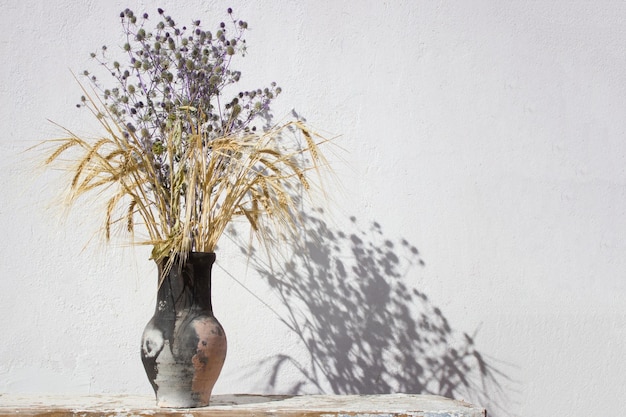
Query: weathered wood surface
[{"x": 393, "y": 405}]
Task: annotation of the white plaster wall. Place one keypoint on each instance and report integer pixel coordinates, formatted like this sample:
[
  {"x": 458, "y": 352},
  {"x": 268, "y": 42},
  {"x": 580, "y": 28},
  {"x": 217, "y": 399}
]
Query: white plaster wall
[{"x": 488, "y": 134}]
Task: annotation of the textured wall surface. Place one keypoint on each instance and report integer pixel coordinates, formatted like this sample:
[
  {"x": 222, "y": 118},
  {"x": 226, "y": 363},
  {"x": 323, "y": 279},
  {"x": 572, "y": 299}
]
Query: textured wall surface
[{"x": 474, "y": 246}]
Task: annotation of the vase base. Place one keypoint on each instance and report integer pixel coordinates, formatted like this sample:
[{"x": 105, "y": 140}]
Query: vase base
[{"x": 180, "y": 404}]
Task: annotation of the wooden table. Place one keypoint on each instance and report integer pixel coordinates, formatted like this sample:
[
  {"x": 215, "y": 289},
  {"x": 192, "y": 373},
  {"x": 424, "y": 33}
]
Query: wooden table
[{"x": 241, "y": 405}]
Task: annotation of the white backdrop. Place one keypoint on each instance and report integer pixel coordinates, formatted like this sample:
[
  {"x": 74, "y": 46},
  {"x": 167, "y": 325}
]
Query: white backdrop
[{"x": 489, "y": 136}]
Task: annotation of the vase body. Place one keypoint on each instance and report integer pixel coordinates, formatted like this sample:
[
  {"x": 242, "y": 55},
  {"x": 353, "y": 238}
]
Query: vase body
[{"x": 183, "y": 346}]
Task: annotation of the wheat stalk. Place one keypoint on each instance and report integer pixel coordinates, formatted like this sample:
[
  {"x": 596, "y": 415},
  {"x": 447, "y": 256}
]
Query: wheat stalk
[{"x": 207, "y": 183}]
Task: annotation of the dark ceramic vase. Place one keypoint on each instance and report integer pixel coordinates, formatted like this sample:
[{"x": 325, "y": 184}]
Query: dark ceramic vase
[{"x": 184, "y": 346}]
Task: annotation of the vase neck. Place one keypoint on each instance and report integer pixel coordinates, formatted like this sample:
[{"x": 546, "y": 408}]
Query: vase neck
[{"x": 186, "y": 285}]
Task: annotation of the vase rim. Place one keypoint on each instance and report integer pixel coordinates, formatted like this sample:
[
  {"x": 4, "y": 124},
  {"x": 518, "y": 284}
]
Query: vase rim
[{"x": 194, "y": 254}]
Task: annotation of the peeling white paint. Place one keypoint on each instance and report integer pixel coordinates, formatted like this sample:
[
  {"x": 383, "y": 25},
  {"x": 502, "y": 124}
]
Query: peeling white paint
[{"x": 401, "y": 405}]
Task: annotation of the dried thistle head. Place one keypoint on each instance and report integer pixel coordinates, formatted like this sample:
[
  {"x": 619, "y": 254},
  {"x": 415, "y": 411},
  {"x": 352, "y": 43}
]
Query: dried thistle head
[{"x": 171, "y": 68}]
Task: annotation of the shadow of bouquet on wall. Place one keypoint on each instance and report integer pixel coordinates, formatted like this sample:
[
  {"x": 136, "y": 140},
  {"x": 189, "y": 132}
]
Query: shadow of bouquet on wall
[{"x": 351, "y": 299}]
